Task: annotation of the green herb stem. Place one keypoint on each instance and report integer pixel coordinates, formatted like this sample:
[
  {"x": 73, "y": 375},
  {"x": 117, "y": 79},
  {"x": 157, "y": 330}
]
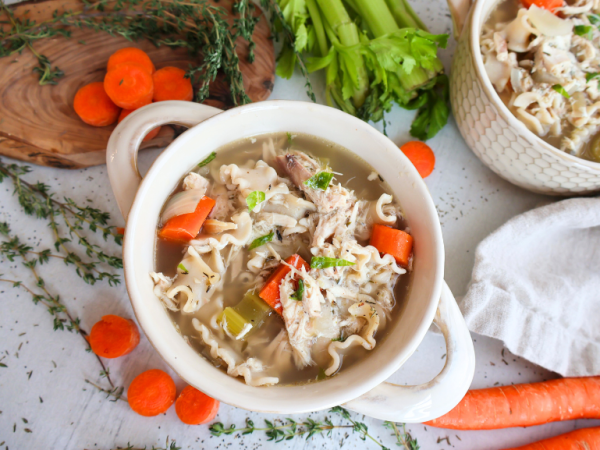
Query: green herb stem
[{"x": 115, "y": 392}]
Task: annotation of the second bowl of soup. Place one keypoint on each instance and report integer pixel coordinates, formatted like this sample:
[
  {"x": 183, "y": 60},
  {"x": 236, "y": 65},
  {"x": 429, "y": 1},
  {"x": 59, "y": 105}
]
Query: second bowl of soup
[
  {"x": 286, "y": 257},
  {"x": 523, "y": 89}
]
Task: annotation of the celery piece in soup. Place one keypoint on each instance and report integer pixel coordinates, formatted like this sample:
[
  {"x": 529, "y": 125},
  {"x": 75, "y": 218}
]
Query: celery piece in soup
[{"x": 246, "y": 316}]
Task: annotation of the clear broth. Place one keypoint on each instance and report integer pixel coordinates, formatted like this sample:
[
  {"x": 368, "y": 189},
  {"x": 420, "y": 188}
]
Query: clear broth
[{"x": 354, "y": 176}]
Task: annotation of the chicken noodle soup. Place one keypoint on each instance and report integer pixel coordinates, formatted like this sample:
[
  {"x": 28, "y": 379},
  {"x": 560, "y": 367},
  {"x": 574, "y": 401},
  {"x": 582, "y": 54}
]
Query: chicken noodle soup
[
  {"x": 264, "y": 263},
  {"x": 545, "y": 67}
]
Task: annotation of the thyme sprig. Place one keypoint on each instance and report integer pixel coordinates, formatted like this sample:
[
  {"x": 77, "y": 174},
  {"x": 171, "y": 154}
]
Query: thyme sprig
[
  {"x": 169, "y": 445},
  {"x": 284, "y": 430},
  {"x": 13, "y": 249},
  {"x": 403, "y": 438},
  {"x": 196, "y": 25},
  {"x": 115, "y": 392},
  {"x": 37, "y": 200}
]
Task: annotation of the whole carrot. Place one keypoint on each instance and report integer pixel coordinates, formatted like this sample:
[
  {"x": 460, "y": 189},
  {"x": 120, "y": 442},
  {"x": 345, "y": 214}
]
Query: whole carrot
[
  {"x": 524, "y": 405},
  {"x": 583, "y": 439}
]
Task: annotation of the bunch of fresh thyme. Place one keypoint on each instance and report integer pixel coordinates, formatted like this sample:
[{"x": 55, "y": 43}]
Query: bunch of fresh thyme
[
  {"x": 290, "y": 429},
  {"x": 37, "y": 200},
  {"x": 196, "y": 25},
  {"x": 85, "y": 258}
]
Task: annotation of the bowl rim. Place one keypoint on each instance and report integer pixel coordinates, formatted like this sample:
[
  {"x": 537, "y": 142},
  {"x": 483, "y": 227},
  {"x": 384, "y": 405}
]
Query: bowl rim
[
  {"x": 475, "y": 25},
  {"x": 241, "y": 400}
]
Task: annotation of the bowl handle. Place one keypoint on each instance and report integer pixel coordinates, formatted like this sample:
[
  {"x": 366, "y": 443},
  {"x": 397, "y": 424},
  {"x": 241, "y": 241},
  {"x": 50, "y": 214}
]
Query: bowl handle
[
  {"x": 415, "y": 404},
  {"x": 459, "y": 10},
  {"x": 125, "y": 140}
]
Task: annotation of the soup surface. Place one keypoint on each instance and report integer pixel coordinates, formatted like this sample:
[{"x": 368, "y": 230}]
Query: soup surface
[
  {"x": 545, "y": 67},
  {"x": 281, "y": 286}
]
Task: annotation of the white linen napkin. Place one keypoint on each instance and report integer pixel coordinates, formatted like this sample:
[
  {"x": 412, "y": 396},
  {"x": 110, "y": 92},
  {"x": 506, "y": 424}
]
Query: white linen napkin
[{"x": 536, "y": 286}]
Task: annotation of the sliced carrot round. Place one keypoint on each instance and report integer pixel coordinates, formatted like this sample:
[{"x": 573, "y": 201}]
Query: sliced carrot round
[
  {"x": 151, "y": 135},
  {"x": 151, "y": 393},
  {"x": 130, "y": 55},
  {"x": 94, "y": 107},
  {"x": 170, "y": 84},
  {"x": 129, "y": 86},
  {"x": 194, "y": 407},
  {"x": 421, "y": 155},
  {"x": 114, "y": 336}
]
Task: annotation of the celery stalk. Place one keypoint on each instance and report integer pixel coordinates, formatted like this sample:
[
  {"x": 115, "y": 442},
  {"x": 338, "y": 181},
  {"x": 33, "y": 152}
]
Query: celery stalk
[
  {"x": 252, "y": 310},
  {"x": 347, "y": 32},
  {"x": 404, "y": 15},
  {"x": 414, "y": 15},
  {"x": 378, "y": 16},
  {"x": 415, "y": 79},
  {"x": 233, "y": 320},
  {"x": 315, "y": 15}
]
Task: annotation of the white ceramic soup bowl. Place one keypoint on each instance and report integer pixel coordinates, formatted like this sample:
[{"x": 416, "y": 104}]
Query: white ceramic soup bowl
[
  {"x": 495, "y": 135},
  {"x": 360, "y": 387}
]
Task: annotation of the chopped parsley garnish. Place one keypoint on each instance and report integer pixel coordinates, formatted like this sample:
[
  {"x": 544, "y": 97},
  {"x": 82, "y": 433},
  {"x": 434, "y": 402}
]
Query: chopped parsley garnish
[
  {"x": 299, "y": 292},
  {"x": 323, "y": 262},
  {"x": 584, "y": 30},
  {"x": 594, "y": 19},
  {"x": 254, "y": 199},
  {"x": 208, "y": 159},
  {"x": 561, "y": 90},
  {"x": 261, "y": 240},
  {"x": 590, "y": 76},
  {"x": 182, "y": 268},
  {"x": 320, "y": 181}
]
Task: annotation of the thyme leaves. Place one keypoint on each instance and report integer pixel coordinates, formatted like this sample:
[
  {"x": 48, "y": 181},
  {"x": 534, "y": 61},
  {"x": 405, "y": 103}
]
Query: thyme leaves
[
  {"x": 13, "y": 249},
  {"x": 196, "y": 25},
  {"x": 288, "y": 429},
  {"x": 37, "y": 200}
]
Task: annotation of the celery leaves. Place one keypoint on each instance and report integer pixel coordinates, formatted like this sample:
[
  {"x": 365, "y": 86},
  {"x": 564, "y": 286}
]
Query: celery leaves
[{"x": 372, "y": 60}]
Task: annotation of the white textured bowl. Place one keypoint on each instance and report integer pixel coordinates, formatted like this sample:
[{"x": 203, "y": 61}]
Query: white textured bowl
[
  {"x": 496, "y": 136},
  {"x": 360, "y": 384}
]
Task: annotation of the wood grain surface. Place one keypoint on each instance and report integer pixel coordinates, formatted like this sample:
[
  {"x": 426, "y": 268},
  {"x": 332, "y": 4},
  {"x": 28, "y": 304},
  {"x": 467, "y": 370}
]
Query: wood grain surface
[{"x": 38, "y": 123}]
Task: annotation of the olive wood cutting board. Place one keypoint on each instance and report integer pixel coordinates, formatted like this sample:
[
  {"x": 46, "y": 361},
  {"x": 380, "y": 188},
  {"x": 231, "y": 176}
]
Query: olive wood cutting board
[{"x": 38, "y": 123}]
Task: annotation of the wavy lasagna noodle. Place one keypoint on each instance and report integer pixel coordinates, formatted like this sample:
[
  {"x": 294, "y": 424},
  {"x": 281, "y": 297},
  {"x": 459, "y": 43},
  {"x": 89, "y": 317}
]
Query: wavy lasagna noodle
[{"x": 330, "y": 314}]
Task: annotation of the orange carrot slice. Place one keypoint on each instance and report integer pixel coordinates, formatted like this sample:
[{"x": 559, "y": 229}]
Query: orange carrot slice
[
  {"x": 170, "y": 84},
  {"x": 525, "y": 405},
  {"x": 129, "y": 86},
  {"x": 584, "y": 438},
  {"x": 394, "y": 242},
  {"x": 421, "y": 155},
  {"x": 151, "y": 393},
  {"x": 94, "y": 107},
  {"x": 270, "y": 291},
  {"x": 114, "y": 336},
  {"x": 151, "y": 135},
  {"x": 187, "y": 226},
  {"x": 130, "y": 55},
  {"x": 194, "y": 407},
  {"x": 550, "y": 5}
]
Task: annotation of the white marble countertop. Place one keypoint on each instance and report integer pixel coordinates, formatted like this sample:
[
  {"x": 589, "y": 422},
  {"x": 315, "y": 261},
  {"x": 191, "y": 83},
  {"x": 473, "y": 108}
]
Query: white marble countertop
[{"x": 43, "y": 382}]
